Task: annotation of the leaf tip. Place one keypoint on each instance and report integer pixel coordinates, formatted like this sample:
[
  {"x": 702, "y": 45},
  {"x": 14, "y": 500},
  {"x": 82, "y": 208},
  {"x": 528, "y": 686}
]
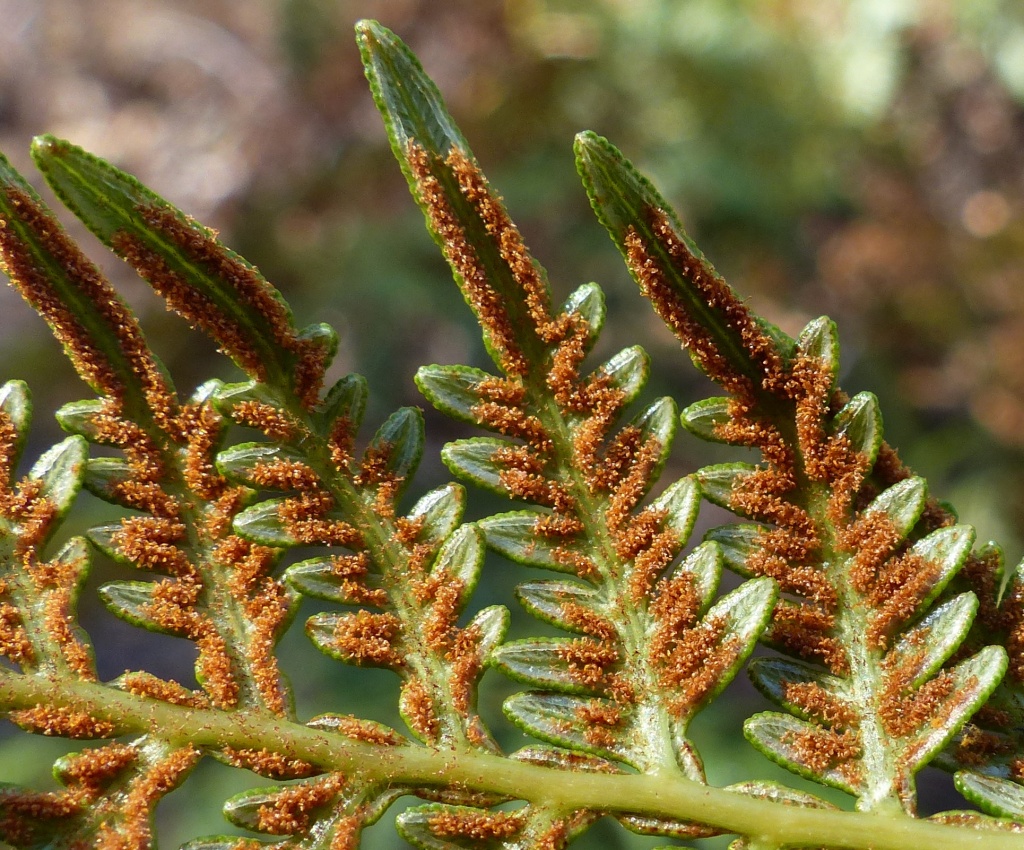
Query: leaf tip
[{"x": 49, "y": 145}]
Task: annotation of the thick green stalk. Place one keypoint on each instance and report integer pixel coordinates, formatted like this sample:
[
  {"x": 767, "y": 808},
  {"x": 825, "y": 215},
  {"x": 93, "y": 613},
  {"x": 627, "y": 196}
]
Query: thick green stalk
[{"x": 421, "y": 766}]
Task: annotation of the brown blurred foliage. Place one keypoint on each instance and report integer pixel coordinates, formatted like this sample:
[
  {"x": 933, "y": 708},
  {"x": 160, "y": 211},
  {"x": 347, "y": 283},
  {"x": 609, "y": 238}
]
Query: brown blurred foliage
[
  {"x": 932, "y": 258},
  {"x": 862, "y": 159}
]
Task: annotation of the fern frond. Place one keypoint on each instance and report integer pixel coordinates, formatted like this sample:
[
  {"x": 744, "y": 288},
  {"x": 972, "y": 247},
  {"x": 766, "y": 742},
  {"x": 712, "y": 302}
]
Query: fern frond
[
  {"x": 869, "y": 701},
  {"x": 38, "y": 590},
  {"x": 416, "y": 571},
  {"x": 183, "y": 530},
  {"x": 411, "y": 575},
  {"x": 892, "y": 635},
  {"x": 211, "y": 286},
  {"x": 985, "y": 753},
  {"x": 651, "y": 648}
]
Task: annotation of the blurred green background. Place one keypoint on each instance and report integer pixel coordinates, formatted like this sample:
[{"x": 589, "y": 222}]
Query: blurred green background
[{"x": 863, "y": 159}]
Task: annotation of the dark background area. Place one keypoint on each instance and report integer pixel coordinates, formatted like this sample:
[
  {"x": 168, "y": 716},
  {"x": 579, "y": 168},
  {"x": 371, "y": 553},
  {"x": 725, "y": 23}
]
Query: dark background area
[{"x": 863, "y": 159}]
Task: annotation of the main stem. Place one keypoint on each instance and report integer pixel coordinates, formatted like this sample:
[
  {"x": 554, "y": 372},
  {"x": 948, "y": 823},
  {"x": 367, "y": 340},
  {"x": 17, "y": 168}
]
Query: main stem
[{"x": 655, "y": 794}]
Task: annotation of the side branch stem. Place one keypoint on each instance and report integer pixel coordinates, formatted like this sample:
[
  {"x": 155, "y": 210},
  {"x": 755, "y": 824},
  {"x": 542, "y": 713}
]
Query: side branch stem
[{"x": 675, "y": 797}]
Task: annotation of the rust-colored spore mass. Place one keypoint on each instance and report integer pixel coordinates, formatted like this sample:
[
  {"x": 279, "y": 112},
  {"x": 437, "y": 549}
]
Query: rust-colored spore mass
[
  {"x": 369, "y": 638},
  {"x": 292, "y": 809},
  {"x": 804, "y": 630},
  {"x": 556, "y": 836},
  {"x": 441, "y": 596},
  {"x": 350, "y": 572},
  {"x": 465, "y": 664},
  {"x": 55, "y": 582},
  {"x": 600, "y": 720},
  {"x": 903, "y": 584},
  {"x": 214, "y": 667},
  {"x": 201, "y": 247},
  {"x": 268, "y": 763},
  {"x": 14, "y": 640},
  {"x": 696, "y": 664},
  {"x": 587, "y": 621},
  {"x": 282, "y": 474},
  {"x": 675, "y": 609},
  {"x": 823, "y": 750},
  {"x": 147, "y": 496},
  {"x": 202, "y": 428},
  {"x": 92, "y": 363},
  {"x": 133, "y": 827},
  {"x": 61, "y": 721},
  {"x": 152, "y": 543},
  {"x": 524, "y": 269},
  {"x": 95, "y": 768},
  {"x": 362, "y": 730},
  {"x": 21, "y": 810},
  {"x": 629, "y": 487},
  {"x": 8, "y": 450},
  {"x": 306, "y": 518},
  {"x": 268, "y": 610},
  {"x": 904, "y": 713},
  {"x": 872, "y": 539},
  {"x": 477, "y": 826},
  {"x": 145, "y": 458},
  {"x": 147, "y": 685},
  {"x": 588, "y": 661},
  {"x": 33, "y": 516},
  {"x": 713, "y": 291},
  {"x": 194, "y": 306},
  {"x": 419, "y": 712},
  {"x": 481, "y": 295},
  {"x": 820, "y": 704},
  {"x": 277, "y": 424},
  {"x": 513, "y": 422}
]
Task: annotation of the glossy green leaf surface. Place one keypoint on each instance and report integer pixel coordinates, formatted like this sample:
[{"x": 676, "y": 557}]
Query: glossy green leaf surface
[
  {"x": 717, "y": 482},
  {"x": 451, "y": 389},
  {"x": 318, "y": 578},
  {"x": 860, "y": 420},
  {"x": 439, "y": 511},
  {"x": 263, "y": 524},
  {"x": 549, "y": 600},
  {"x": 920, "y": 651},
  {"x": 623, "y": 201},
  {"x": 705, "y": 417},
  {"x": 129, "y": 600},
  {"x": 473, "y": 460},
  {"x": 998, "y": 797},
  {"x": 515, "y": 536},
  {"x": 114, "y": 205},
  {"x": 777, "y": 736}
]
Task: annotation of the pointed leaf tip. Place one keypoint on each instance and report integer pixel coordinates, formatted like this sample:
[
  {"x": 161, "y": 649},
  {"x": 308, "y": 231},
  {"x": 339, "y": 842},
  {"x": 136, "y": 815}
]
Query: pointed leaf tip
[
  {"x": 48, "y": 145},
  {"x": 99, "y": 194},
  {"x": 726, "y": 341},
  {"x": 212, "y": 287},
  {"x": 408, "y": 100},
  {"x": 618, "y": 193}
]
